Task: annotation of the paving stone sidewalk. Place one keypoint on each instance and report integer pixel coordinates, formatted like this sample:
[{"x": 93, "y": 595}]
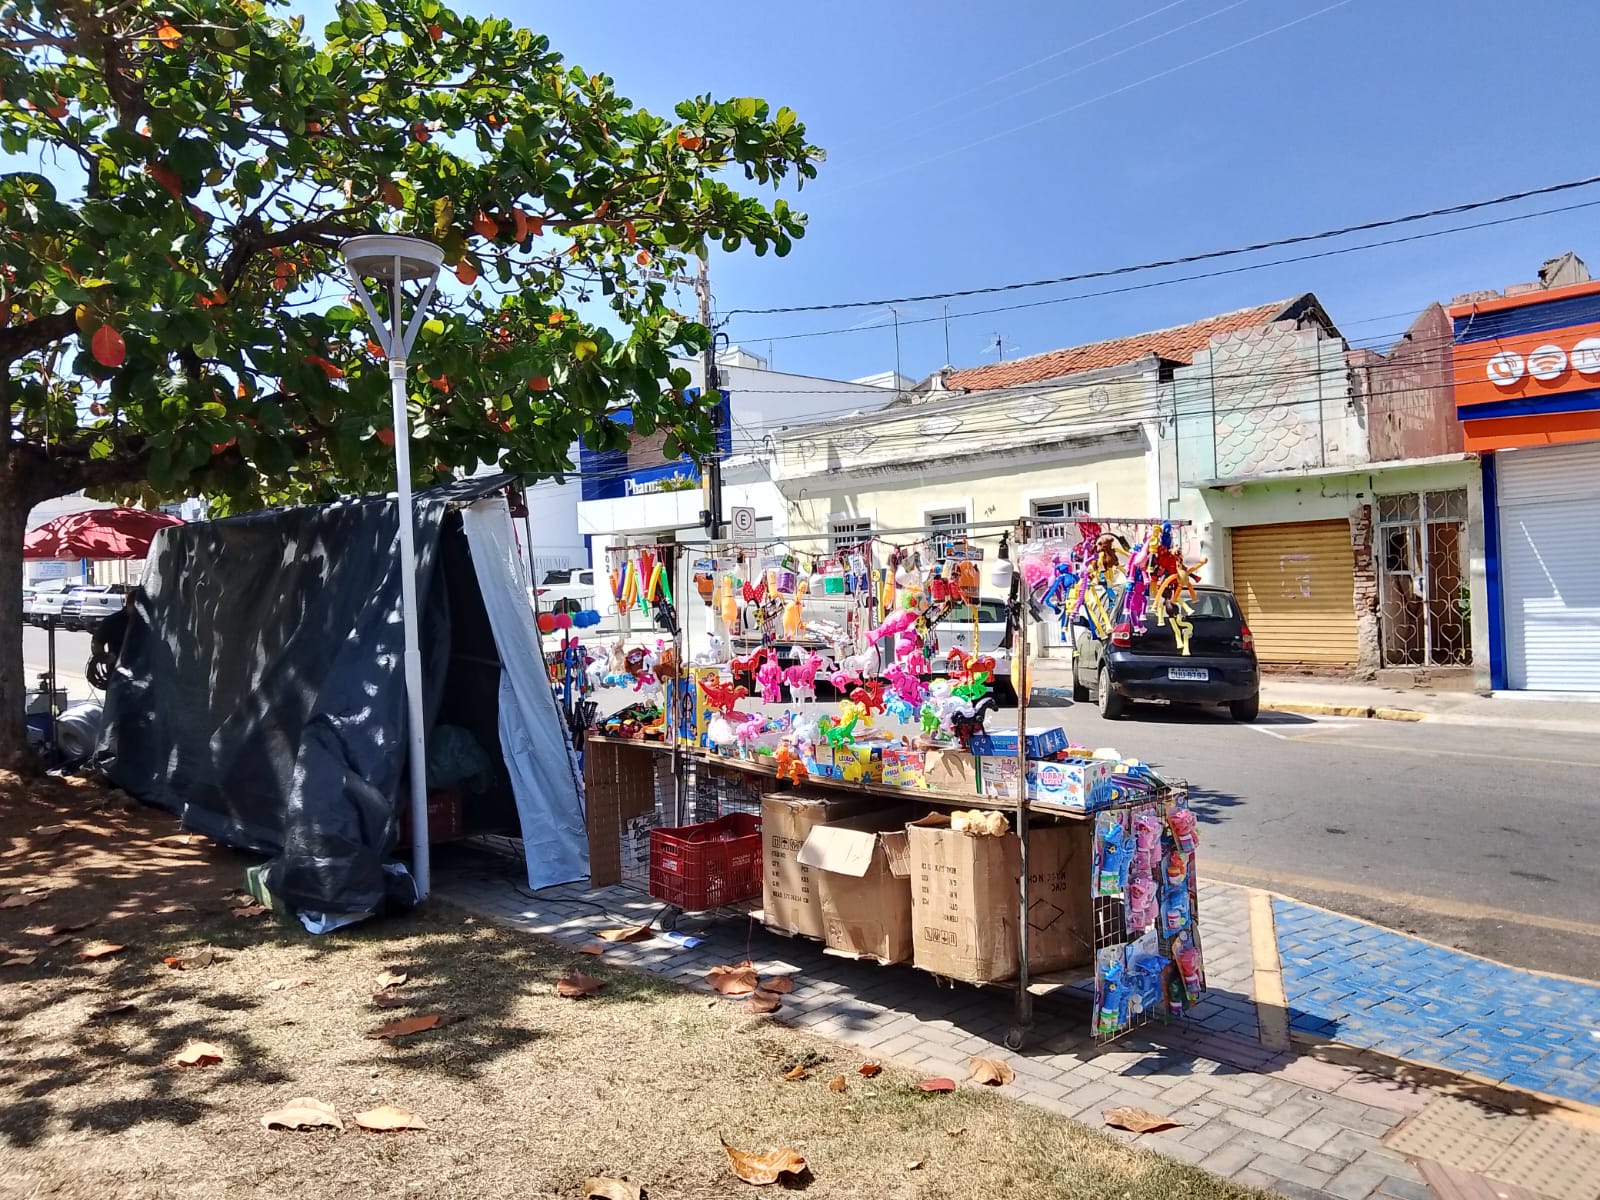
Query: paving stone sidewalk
[{"x": 1304, "y": 1128}]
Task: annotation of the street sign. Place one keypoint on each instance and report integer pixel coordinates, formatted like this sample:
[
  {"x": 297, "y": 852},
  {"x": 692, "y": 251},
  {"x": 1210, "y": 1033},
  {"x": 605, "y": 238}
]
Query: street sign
[{"x": 744, "y": 522}]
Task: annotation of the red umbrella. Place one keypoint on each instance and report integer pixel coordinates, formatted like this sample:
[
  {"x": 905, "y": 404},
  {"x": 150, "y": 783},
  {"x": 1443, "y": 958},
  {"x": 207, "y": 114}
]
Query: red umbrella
[{"x": 97, "y": 533}]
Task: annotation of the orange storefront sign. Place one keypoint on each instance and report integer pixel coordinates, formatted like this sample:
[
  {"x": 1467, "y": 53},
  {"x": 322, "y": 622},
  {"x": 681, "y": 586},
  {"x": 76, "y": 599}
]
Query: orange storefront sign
[{"x": 1529, "y": 365}]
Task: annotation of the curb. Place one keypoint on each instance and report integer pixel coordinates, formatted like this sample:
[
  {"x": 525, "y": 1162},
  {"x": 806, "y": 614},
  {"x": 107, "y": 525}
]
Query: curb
[{"x": 1305, "y": 708}]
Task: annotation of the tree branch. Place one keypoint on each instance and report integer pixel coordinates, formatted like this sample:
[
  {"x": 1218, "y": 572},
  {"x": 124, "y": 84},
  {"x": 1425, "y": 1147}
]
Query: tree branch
[{"x": 18, "y": 341}]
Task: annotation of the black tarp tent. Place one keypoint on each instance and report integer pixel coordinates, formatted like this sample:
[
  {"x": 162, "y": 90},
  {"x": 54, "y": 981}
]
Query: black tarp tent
[{"x": 260, "y": 693}]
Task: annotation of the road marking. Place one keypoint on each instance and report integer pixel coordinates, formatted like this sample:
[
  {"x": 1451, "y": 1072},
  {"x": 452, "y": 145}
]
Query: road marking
[
  {"x": 1272, "y": 1005},
  {"x": 1538, "y": 759},
  {"x": 1287, "y": 883}
]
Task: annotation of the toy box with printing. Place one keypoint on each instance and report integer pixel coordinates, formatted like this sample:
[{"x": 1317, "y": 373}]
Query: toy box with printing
[
  {"x": 1042, "y": 743},
  {"x": 1075, "y": 785}
]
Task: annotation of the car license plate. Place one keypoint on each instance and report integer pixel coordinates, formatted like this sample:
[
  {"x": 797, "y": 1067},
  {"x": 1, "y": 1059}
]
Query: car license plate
[{"x": 1198, "y": 674}]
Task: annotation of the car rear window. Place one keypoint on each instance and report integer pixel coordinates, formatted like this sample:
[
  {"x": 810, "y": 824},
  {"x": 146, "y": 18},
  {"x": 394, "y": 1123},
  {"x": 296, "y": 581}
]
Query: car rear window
[
  {"x": 1216, "y": 606},
  {"x": 990, "y": 612}
]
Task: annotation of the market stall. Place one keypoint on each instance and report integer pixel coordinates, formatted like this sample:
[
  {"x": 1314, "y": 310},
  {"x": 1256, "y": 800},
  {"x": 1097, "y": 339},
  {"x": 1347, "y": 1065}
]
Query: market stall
[{"x": 839, "y": 768}]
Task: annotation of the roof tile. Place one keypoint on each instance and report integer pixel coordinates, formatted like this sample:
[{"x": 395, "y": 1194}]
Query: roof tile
[{"x": 1178, "y": 344}]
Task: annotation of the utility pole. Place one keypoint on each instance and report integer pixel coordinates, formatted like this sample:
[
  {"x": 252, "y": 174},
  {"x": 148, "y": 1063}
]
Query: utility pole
[
  {"x": 895, "y": 313},
  {"x": 947, "y": 359},
  {"x": 710, "y": 387}
]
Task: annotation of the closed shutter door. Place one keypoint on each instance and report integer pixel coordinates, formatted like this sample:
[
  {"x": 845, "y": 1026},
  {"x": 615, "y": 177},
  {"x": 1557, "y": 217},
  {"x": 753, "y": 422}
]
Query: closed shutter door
[
  {"x": 1296, "y": 585},
  {"x": 1550, "y": 567}
]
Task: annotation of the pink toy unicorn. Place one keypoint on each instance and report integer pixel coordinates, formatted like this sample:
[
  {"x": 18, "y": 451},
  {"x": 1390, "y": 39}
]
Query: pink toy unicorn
[
  {"x": 769, "y": 678},
  {"x": 905, "y": 684},
  {"x": 802, "y": 678}
]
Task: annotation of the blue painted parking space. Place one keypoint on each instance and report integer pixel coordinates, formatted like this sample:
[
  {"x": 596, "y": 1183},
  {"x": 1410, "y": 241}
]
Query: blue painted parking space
[{"x": 1371, "y": 987}]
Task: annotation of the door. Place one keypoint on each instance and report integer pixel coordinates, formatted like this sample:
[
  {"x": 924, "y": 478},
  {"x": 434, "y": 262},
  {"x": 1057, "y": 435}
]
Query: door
[
  {"x": 1296, "y": 585},
  {"x": 1550, "y": 568}
]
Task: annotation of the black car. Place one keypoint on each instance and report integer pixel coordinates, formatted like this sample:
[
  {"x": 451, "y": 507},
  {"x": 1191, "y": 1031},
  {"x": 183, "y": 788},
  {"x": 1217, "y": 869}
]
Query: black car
[{"x": 1142, "y": 662}]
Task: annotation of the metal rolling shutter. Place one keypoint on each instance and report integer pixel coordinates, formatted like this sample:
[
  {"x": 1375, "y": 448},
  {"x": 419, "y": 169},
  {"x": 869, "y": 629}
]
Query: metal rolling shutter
[
  {"x": 1296, "y": 585},
  {"x": 1550, "y": 567}
]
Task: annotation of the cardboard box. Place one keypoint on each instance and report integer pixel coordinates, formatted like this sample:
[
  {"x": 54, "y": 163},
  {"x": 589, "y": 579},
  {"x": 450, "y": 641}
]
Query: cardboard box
[
  {"x": 694, "y": 731},
  {"x": 851, "y": 764},
  {"x": 904, "y": 768},
  {"x": 789, "y": 897},
  {"x": 952, "y": 771},
  {"x": 863, "y": 877},
  {"x": 966, "y": 902},
  {"x": 1042, "y": 743}
]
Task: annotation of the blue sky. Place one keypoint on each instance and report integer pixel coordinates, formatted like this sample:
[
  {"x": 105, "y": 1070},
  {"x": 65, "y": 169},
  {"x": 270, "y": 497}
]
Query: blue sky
[{"x": 1372, "y": 109}]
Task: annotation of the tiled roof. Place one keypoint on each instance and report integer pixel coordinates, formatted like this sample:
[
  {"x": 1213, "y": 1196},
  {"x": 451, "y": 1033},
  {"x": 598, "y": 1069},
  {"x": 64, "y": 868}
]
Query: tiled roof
[{"x": 1177, "y": 344}]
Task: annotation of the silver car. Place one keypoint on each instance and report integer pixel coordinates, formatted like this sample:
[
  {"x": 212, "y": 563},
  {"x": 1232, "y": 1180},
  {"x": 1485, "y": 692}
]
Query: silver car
[
  {"x": 86, "y": 607},
  {"x": 48, "y": 600}
]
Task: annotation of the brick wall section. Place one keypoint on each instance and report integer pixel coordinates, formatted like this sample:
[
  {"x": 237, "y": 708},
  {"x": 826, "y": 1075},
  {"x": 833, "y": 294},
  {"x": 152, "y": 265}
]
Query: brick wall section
[{"x": 1365, "y": 566}]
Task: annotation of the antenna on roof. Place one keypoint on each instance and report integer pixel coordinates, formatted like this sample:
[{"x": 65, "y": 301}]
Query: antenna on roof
[{"x": 999, "y": 345}]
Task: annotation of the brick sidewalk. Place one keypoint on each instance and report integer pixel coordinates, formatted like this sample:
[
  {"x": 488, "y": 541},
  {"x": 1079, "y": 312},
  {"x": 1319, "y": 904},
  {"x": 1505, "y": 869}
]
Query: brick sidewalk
[{"x": 1304, "y": 1128}]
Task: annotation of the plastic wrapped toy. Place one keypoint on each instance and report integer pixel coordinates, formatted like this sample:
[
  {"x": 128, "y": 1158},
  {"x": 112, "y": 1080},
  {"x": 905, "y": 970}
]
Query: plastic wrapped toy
[
  {"x": 1114, "y": 852},
  {"x": 1182, "y": 825},
  {"x": 769, "y": 677},
  {"x": 1111, "y": 1001}
]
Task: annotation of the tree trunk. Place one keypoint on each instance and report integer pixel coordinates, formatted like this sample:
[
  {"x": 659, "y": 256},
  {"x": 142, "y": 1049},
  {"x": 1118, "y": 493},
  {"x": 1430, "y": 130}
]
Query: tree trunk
[{"x": 13, "y": 682}]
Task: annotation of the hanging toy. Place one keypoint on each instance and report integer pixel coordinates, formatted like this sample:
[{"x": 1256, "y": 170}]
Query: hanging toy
[
  {"x": 770, "y": 680},
  {"x": 723, "y": 697},
  {"x": 791, "y": 612},
  {"x": 729, "y": 604},
  {"x": 802, "y": 677}
]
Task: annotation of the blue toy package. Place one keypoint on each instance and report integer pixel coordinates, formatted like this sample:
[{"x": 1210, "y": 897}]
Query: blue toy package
[
  {"x": 1113, "y": 854},
  {"x": 1112, "y": 995},
  {"x": 1175, "y": 912},
  {"x": 1146, "y": 993}
]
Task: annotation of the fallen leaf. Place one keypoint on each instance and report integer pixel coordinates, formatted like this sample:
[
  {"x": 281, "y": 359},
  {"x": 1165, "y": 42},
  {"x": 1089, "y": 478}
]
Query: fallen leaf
[
  {"x": 630, "y": 933},
  {"x": 796, "y": 1072},
  {"x": 21, "y": 958},
  {"x": 283, "y": 985},
  {"x": 779, "y": 985},
  {"x": 595, "y": 948},
  {"x": 870, "y": 1069},
  {"x": 838, "y": 1084},
  {"x": 386, "y": 1117},
  {"x": 733, "y": 981},
  {"x": 22, "y": 900},
  {"x": 193, "y": 962},
  {"x": 120, "y": 1009},
  {"x": 605, "y": 1187},
  {"x": 50, "y": 830},
  {"x": 101, "y": 950},
  {"x": 914, "y": 1166},
  {"x": 391, "y": 979},
  {"x": 240, "y": 900},
  {"x": 763, "y": 1002},
  {"x": 198, "y": 1054},
  {"x": 765, "y": 1166},
  {"x": 938, "y": 1084},
  {"x": 64, "y": 927},
  {"x": 991, "y": 1071},
  {"x": 389, "y": 1000},
  {"x": 245, "y": 911},
  {"x": 1138, "y": 1120},
  {"x": 303, "y": 1112},
  {"x": 957, "y": 1131},
  {"x": 406, "y": 1025},
  {"x": 60, "y": 941},
  {"x": 579, "y": 987}
]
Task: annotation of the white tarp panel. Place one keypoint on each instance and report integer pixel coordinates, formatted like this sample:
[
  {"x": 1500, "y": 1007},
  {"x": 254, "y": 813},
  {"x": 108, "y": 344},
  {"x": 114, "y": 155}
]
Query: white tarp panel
[{"x": 533, "y": 737}]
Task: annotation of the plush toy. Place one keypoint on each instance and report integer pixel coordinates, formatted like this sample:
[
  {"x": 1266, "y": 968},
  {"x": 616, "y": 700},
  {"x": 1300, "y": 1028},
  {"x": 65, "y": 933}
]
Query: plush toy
[
  {"x": 639, "y": 664},
  {"x": 802, "y": 677},
  {"x": 769, "y": 677},
  {"x": 790, "y": 767},
  {"x": 617, "y": 658}
]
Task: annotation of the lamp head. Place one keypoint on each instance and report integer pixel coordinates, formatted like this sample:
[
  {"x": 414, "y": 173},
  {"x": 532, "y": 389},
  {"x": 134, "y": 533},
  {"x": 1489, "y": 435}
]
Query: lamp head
[{"x": 381, "y": 255}]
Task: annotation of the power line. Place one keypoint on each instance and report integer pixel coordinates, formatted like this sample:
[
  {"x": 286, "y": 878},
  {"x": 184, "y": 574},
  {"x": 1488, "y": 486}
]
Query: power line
[{"x": 1206, "y": 256}]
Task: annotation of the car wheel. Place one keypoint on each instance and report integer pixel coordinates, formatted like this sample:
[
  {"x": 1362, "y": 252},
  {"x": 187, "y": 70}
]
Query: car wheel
[
  {"x": 1112, "y": 706},
  {"x": 1246, "y": 710}
]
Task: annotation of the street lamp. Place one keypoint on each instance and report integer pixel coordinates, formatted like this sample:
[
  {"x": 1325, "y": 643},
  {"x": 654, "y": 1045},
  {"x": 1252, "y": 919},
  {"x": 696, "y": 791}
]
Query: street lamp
[{"x": 395, "y": 261}]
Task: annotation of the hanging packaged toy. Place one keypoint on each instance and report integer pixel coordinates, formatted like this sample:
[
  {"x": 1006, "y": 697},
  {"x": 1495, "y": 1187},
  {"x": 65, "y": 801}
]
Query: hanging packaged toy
[
  {"x": 1175, "y": 910},
  {"x": 1142, "y": 904},
  {"x": 1187, "y": 956},
  {"x": 1111, "y": 992},
  {"x": 1180, "y": 821},
  {"x": 1113, "y": 852}
]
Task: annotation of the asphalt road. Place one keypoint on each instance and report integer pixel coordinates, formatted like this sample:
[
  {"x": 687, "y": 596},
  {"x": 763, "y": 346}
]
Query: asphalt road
[
  {"x": 72, "y": 655},
  {"x": 1479, "y": 837}
]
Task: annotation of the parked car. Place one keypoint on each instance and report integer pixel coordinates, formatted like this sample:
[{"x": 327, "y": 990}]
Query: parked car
[
  {"x": 565, "y": 590},
  {"x": 86, "y": 607},
  {"x": 48, "y": 599},
  {"x": 955, "y": 632},
  {"x": 27, "y": 601},
  {"x": 1141, "y": 662}
]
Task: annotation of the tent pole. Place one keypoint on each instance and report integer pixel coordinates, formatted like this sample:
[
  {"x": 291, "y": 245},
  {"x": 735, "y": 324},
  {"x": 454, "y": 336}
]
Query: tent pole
[{"x": 416, "y": 733}]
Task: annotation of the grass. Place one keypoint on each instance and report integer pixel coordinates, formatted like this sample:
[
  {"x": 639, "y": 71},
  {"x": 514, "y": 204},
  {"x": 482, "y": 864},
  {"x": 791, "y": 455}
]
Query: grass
[{"x": 527, "y": 1095}]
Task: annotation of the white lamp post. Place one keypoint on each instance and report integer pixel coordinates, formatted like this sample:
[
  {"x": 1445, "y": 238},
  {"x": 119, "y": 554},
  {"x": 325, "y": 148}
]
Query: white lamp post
[{"x": 395, "y": 261}]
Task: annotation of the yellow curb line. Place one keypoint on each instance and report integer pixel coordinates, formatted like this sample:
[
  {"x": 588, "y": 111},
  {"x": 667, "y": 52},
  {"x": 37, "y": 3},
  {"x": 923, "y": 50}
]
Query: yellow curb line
[
  {"x": 1272, "y": 1006},
  {"x": 1346, "y": 710}
]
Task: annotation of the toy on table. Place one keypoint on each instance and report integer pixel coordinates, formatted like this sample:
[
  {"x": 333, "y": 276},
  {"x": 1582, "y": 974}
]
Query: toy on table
[
  {"x": 723, "y": 697},
  {"x": 837, "y": 733},
  {"x": 869, "y": 695},
  {"x": 802, "y": 677},
  {"x": 790, "y": 767}
]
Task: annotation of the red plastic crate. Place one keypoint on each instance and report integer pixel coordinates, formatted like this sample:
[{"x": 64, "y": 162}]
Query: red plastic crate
[{"x": 697, "y": 867}]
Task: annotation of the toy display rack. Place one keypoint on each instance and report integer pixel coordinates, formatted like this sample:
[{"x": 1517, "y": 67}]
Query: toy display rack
[{"x": 682, "y": 765}]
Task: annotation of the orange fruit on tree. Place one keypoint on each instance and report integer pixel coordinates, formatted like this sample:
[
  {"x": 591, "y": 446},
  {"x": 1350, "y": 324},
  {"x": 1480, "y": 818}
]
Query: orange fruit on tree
[{"x": 169, "y": 35}]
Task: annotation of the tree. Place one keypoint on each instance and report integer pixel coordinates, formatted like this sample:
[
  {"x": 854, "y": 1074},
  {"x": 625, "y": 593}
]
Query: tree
[{"x": 171, "y": 320}]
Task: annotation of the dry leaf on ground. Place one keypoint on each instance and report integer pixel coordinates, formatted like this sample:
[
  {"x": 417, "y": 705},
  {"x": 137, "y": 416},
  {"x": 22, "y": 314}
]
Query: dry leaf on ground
[
  {"x": 391, "y": 979},
  {"x": 62, "y": 940},
  {"x": 595, "y": 948},
  {"x": 606, "y": 1187},
  {"x": 61, "y": 927},
  {"x": 283, "y": 985},
  {"x": 22, "y": 900},
  {"x": 193, "y": 962},
  {"x": 838, "y": 1084},
  {"x": 796, "y": 1072},
  {"x": 389, "y": 1000},
  {"x": 245, "y": 911},
  {"x": 779, "y": 985},
  {"x": 1139, "y": 1120},
  {"x": 101, "y": 950},
  {"x": 198, "y": 1054},
  {"x": 407, "y": 1025},
  {"x": 991, "y": 1071},
  {"x": 240, "y": 900},
  {"x": 386, "y": 1117},
  {"x": 764, "y": 1166},
  {"x": 579, "y": 987},
  {"x": 914, "y": 1166},
  {"x": 303, "y": 1112},
  {"x": 20, "y": 958},
  {"x": 120, "y": 1009},
  {"x": 629, "y": 933},
  {"x": 957, "y": 1131},
  {"x": 938, "y": 1084},
  {"x": 733, "y": 981},
  {"x": 763, "y": 1002},
  {"x": 869, "y": 1069}
]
